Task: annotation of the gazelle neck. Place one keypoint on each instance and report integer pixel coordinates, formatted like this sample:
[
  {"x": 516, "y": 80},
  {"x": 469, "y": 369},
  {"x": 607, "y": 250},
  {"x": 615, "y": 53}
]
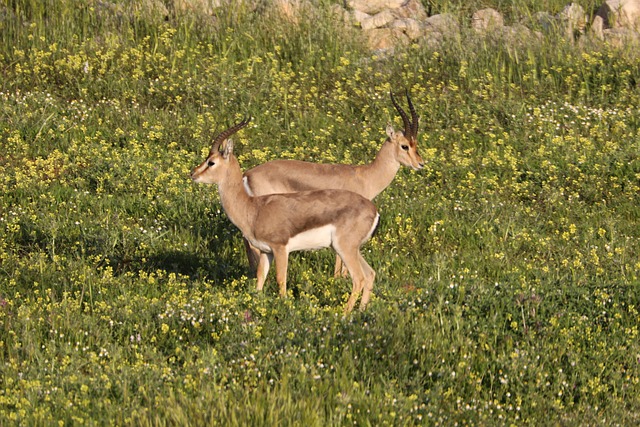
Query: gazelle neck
[
  {"x": 237, "y": 204},
  {"x": 378, "y": 174}
]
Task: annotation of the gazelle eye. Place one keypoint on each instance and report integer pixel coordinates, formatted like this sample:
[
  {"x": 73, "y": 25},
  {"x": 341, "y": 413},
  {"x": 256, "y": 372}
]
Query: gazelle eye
[
  {"x": 405, "y": 147},
  {"x": 211, "y": 163}
]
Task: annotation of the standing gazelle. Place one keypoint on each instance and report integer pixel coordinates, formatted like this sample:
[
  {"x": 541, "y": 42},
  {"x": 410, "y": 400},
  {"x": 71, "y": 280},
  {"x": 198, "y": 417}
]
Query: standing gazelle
[
  {"x": 288, "y": 176},
  {"x": 277, "y": 224}
]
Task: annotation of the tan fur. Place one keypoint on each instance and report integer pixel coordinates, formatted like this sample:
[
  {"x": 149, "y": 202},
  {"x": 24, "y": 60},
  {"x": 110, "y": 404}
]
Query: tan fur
[
  {"x": 269, "y": 223},
  {"x": 288, "y": 176}
]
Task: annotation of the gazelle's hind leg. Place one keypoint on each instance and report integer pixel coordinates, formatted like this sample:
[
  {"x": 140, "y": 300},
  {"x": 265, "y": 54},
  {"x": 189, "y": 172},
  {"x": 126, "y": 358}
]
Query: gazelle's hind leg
[
  {"x": 351, "y": 259},
  {"x": 370, "y": 276}
]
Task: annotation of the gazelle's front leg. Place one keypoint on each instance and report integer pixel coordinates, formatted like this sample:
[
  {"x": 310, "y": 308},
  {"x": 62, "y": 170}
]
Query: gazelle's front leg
[
  {"x": 264, "y": 262},
  {"x": 351, "y": 259},
  {"x": 282, "y": 260}
]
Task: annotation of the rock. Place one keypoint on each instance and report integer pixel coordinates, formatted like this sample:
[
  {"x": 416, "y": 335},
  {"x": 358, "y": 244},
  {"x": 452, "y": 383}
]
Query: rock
[
  {"x": 379, "y": 20},
  {"x": 622, "y": 38},
  {"x": 439, "y": 27},
  {"x": 444, "y": 23},
  {"x": 385, "y": 39},
  {"x": 412, "y": 28},
  {"x": 290, "y": 10},
  {"x": 372, "y": 7},
  {"x": 597, "y": 27},
  {"x": 487, "y": 19},
  {"x": 618, "y": 14},
  {"x": 518, "y": 35},
  {"x": 360, "y": 17},
  {"x": 411, "y": 9},
  {"x": 390, "y": 22},
  {"x": 573, "y": 20},
  {"x": 545, "y": 21}
]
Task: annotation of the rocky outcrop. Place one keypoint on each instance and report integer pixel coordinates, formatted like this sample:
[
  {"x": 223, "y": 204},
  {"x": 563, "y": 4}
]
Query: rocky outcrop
[
  {"x": 490, "y": 23},
  {"x": 386, "y": 24},
  {"x": 618, "y": 22}
]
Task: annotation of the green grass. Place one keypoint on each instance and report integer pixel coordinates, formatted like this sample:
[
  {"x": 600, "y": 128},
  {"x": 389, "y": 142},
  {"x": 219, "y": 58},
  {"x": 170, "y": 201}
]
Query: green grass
[{"x": 507, "y": 287}]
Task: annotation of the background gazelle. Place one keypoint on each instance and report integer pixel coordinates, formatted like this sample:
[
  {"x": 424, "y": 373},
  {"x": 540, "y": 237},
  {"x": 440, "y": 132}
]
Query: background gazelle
[
  {"x": 277, "y": 224},
  {"x": 288, "y": 176}
]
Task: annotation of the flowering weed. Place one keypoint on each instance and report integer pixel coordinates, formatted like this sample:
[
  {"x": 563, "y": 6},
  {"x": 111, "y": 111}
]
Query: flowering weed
[{"x": 507, "y": 270}]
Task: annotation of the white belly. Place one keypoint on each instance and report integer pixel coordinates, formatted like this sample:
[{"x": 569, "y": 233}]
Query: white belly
[{"x": 315, "y": 238}]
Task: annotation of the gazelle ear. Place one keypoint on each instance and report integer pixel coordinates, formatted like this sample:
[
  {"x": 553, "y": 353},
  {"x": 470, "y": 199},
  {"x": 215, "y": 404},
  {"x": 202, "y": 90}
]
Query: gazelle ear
[
  {"x": 390, "y": 131},
  {"x": 227, "y": 148}
]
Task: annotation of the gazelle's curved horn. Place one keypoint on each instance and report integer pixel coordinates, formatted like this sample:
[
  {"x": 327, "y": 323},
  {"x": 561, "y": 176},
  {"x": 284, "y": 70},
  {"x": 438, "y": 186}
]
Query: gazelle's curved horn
[
  {"x": 405, "y": 118},
  {"x": 227, "y": 133},
  {"x": 414, "y": 119}
]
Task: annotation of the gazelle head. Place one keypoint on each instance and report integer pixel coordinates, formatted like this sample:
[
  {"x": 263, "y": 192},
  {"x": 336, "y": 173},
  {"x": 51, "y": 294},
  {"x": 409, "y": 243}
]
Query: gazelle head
[
  {"x": 212, "y": 170},
  {"x": 405, "y": 143}
]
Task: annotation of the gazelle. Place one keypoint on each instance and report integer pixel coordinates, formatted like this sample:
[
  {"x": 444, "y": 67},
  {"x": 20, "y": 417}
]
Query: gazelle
[
  {"x": 288, "y": 176},
  {"x": 277, "y": 224}
]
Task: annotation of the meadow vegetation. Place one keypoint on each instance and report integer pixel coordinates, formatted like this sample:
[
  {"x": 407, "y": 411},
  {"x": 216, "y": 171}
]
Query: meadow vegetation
[{"x": 507, "y": 289}]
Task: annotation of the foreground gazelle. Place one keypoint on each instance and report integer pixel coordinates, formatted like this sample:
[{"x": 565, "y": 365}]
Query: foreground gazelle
[
  {"x": 277, "y": 224},
  {"x": 288, "y": 176}
]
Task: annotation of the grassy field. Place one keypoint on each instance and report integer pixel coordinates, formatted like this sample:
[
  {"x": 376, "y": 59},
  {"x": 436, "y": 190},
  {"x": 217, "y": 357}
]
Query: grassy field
[{"x": 507, "y": 289}]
